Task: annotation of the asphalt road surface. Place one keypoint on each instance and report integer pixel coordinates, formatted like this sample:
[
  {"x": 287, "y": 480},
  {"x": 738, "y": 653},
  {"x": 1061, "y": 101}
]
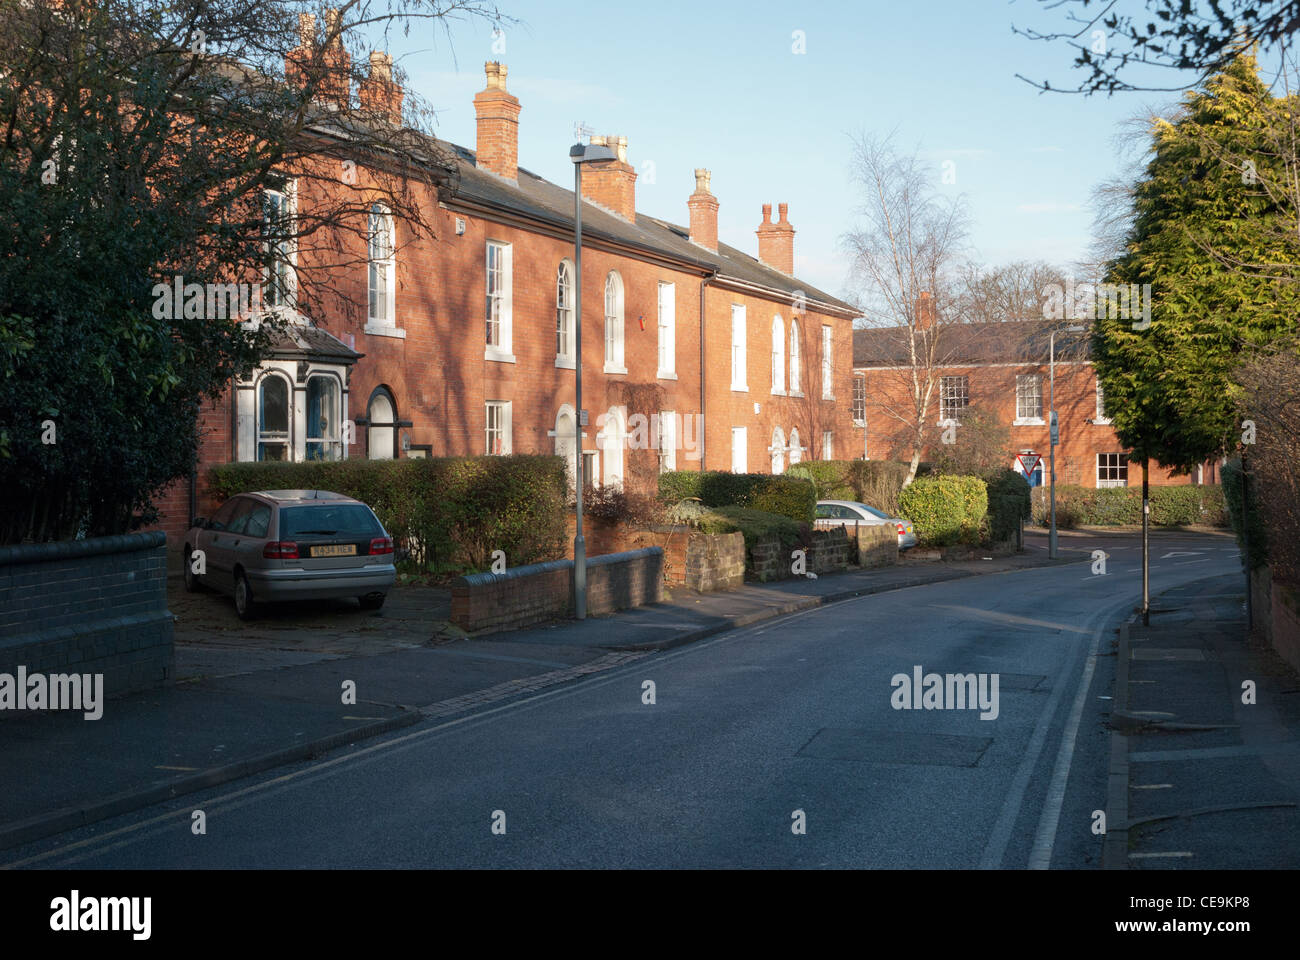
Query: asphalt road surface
[{"x": 751, "y": 736}]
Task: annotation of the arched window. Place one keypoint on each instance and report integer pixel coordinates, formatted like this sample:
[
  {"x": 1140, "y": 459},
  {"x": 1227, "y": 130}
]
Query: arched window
[
  {"x": 796, "y": 451},
  {"x": 323, "y": 417},
  {"x": 564, "y": 312},
  {"x": 381, "y": 434},
  {"x": 566, "y": 441},
  {"x": 613, "y": 438},
  {"x": 383, "y": 267},
  {"x": 794, "y": 356},
  {"x": 778, "y": 355},
  {"x": 614, "y": 324},
  {"x": 273, "y": 418},
  {"x": 778, "y": 449}
]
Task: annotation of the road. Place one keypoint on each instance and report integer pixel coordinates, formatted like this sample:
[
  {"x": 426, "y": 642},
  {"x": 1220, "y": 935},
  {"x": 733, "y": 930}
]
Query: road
[{"x": 750, "y": 734}]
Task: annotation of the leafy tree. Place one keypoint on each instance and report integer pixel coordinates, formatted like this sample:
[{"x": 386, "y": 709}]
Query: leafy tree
[
  {"x": 138, "y": 139},
  {"x": 1168, "y": 386}
]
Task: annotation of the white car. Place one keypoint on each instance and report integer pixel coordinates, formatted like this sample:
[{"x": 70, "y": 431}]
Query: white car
[{"x": 837, "y": 513}]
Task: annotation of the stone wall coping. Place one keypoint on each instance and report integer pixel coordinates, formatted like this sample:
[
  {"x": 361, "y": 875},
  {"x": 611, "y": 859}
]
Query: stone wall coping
[
  {"x": 75, "y": 549},
  {"x": 550, "y": 566}
]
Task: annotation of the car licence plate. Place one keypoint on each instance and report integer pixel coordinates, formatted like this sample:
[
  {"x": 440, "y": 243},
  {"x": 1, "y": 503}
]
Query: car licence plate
[{"x": 335, "y": 550}]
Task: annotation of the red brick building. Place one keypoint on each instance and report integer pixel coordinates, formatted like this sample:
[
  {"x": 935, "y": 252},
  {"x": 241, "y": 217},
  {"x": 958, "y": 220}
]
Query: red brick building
[
  {"x": 1003, "y": 368},
  {"x": 695, "y": 354}
]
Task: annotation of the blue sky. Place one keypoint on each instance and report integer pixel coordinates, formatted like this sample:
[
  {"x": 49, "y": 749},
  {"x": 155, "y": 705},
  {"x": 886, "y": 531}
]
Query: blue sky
[{"x": 718, "y": 85}]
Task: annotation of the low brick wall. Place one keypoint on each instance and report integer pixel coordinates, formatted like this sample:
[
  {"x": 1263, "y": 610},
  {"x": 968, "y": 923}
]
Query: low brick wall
[
  {"x": 876, "y": 545},
  {"x": 539, "y": 592},
  {"x": 715, "y": 561},
  {"x": 1284, "y": 632},
  {"x": 829, "y": 552},
  {"x": 88, "y": 606}
]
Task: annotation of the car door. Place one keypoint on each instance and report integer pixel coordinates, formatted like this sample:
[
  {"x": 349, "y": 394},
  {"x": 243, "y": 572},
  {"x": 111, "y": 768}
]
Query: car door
[
  {"x": 220, "y": 558},
  {"x": 249, "y": 534}
]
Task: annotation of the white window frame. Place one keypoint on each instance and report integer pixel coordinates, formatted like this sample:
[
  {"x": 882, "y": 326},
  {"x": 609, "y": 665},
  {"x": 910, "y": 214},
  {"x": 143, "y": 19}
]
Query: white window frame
[
  {"x": 739, "y": 450},
  {"x": 498, "y": 286},
  {"x": 381, "y": 262},
  {"x": 828, "y": 445},
  {"x": 1023, "y": 393},
  {"x": 1119, "y": 466},
  {"x": 796, "y": 451},
  {"x": 946, "y": 396},
  {"x": 859, "y": 401},
  {"x": 614, "y": 323},
  {"x": 778, "y": 356},
  {"x": 738, "y": 353},
  {"x": 289, "y": 199},
  {"x": 795, "y": 388},
  {"x": 1101, "y": 417},
  {"x": 333, "y": 440},
  {"x": 667, "y": 331},
  {"x": 503, "y": 426},
  {"x": 564, "y": 315},
  {"x": 828, "y": 370},
  {"x": 612, "y": 441},
  {"x": 667, "y": 440},
  {"x": 260, "y": 436}
]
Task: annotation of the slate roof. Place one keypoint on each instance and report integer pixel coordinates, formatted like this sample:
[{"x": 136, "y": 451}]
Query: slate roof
[
  {"x": 970, "y": 344},
  {"x": 298, "y": 340},
  {"x": 539, "y": 199}
]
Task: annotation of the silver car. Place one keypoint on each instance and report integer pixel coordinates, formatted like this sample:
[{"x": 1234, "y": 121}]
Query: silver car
[
  {"x": 834, "y": 513},
  {"x": 291, "y": 545}
]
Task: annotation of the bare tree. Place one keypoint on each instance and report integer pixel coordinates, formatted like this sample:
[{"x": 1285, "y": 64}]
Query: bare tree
[
  {"x": 1009, "y": 292},
  {"x": 905, "y": 254}
]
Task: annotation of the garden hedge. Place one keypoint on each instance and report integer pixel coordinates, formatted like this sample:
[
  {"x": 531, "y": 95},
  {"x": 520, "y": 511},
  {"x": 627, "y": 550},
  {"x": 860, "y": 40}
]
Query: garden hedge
[
  {"x": 1116, "y": 506},
  {"x": 793, "y": 497},
  {"x": 1232, "y": 497},
  {"x": 873, "y": 482},
  {"x": 448, "y": 512},
  {"x": 754, "y": 525},
  {"x": 1009, "y": 504},
  {"x": 945, "y": 510}
]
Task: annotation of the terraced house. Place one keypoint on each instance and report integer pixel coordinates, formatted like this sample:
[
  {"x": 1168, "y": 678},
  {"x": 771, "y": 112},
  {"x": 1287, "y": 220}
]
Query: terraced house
[{"x": 695, "y": 354}]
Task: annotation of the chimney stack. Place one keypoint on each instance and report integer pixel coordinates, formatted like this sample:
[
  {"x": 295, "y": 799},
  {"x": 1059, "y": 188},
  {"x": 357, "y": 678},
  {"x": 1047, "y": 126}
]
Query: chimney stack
[
  {"x": 704, "y": 212},
  {"x": 925, "y": 310},
  {"x": 611, "y": 183},
  {"x": 329, "y": 64},
  {"x": 776, "y": 240},
  {"x": 378, "y": 93},
  {"x": 498, "y": 125}
]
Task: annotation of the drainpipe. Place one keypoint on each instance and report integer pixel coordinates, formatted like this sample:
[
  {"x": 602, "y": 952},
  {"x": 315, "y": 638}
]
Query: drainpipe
[{"x": 704, "y": 424}]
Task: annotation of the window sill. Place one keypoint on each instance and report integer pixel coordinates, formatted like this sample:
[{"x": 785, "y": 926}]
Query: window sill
[
  {"x": 666, "y": 375},
  {"x": 797, "y": 394},
  {"x": 1102, "y": 421},
  {"x": 778, "y": 393},
  {"x": 828, "y": 396},
  {"x": 384, "y": 330},
  {"x": 1029, "y": 422},
  {"x": 564, "y": 363},
  {"x": 610, "y": 368},
  {"x": 859, "y": 423},
  {"x": 499, "y": 355},
  {"x": 739, "y": 388}
]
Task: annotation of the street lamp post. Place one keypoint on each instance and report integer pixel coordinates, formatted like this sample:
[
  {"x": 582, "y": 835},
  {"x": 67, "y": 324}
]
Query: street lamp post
[
  {"x": 1053, "y": 431},
  {"x": 580, "y": 154}
]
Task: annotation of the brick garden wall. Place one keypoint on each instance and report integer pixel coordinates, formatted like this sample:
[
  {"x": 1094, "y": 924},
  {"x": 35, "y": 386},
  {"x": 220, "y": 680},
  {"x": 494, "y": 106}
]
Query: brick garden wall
[
  {"x": 88, "y": 606},
  {"x": 829, "y": 552},
  {"x": 539, "y": 592}
]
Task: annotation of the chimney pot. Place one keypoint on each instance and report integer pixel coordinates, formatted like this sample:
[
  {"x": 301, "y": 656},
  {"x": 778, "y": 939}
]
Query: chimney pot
[
  {"x": 497, "y": 112},
  {"x": 306, "y": 29},
  {"x": 776, "y": 240},
  {"x": 611, "y": 183},
  {"x": 703, "y": 206}
]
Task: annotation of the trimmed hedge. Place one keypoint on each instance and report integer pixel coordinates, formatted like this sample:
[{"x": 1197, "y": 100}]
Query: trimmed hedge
[
  {"x": 1117, "y": 506},
  {"x": 945, "y": 510},
  {"x": 793, "y": 497},
  {"x": 1009, "y": 504},
  {"x": 754, "y": 525},
  {"x": 445, "y": 511},
  {"x": 873, "y": 482},
  {"x": 1232, "y": 497}
]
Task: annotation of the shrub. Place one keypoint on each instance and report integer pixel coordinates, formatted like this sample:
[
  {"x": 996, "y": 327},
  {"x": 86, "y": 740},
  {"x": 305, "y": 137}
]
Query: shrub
[
  {"x": 830, "y": 478},
  {"x": 615, "y": 504},
  {"x": 1232, "y": 497},
  {"x": 1115, "y": 506},
  {"x": 444, "y": 511},
  {"x": 879, "y": 482},
  {"x": 793, "y": 497},
  {"x": 1008, "y": 499},
  {"x": 945, "y": 510},
  {"x": 755, "y": 525}
]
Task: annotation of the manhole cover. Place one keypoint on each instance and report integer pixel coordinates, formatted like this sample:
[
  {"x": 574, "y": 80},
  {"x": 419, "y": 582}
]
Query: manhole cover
[{"x": 886, "y": 746}]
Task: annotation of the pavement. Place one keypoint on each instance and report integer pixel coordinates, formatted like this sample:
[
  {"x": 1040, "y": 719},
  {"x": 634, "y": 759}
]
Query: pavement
[
  {"x": 249, "y": 698},
  {"x": 1205, "y": 742}
]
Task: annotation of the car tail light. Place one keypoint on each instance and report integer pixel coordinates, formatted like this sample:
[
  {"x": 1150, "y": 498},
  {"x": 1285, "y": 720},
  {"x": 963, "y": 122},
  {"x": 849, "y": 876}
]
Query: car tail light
[
  {"x": 902, "y": 529},
  {"x": 381, "y": 545},
  {"x": 280, "y": 550}
]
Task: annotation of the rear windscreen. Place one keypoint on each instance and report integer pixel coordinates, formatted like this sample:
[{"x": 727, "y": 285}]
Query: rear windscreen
[{"x": 338, "y": 519}]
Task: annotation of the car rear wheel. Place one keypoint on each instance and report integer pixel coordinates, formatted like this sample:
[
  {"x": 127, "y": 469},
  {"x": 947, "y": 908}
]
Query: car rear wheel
[
  {"x": 244, "y": 605},
  {"x": 372, "y": 602}
]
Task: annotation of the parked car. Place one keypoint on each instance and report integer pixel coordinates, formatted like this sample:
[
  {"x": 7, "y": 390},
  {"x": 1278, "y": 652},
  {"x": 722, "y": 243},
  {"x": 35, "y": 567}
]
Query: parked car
[
  {"x": 833, "y": 513},
  {"x": 291, "y": 545}
]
